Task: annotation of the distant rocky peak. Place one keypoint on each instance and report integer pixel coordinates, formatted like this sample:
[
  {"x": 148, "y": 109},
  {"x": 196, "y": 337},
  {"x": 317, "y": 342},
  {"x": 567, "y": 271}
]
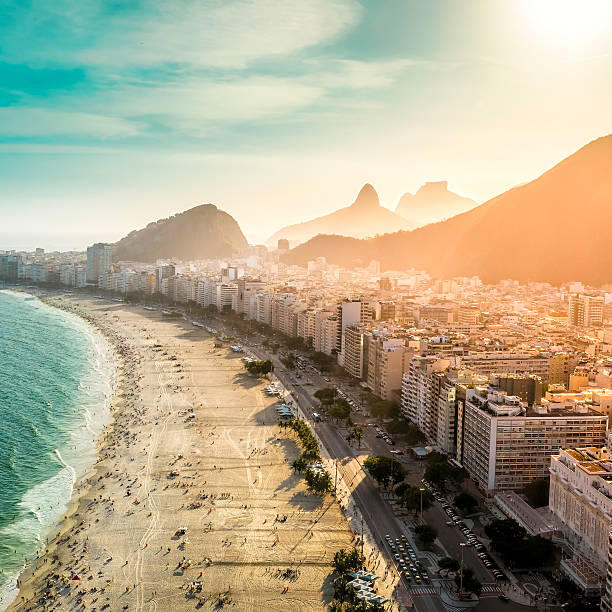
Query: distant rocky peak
[
  {"x": 434, "y": 187},
  {"x": 367, "y": 198}
]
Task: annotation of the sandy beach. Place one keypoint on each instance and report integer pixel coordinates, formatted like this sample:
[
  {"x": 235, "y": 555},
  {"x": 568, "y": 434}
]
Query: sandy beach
[{"x": 193, "y": 497}]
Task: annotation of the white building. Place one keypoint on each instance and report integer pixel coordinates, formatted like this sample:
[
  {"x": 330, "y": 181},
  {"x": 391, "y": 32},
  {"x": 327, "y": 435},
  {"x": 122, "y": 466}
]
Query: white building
[
  {"x": 580, "y": 499},
  {"x": 99, "y": 261}
]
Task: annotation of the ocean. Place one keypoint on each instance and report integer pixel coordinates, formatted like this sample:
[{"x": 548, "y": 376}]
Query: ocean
[{"x": 57, "y": 376}]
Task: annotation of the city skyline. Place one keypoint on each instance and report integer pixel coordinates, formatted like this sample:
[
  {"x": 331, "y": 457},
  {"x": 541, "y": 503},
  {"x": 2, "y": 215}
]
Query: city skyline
[{"x": 183, "y": 104}]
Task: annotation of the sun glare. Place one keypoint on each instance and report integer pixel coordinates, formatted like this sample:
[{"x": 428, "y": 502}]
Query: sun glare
[{"x": 569, "y": 22}]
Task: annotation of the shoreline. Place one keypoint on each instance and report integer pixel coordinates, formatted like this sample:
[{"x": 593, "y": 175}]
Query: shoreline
[
  {"x": 225, "y": 430},
  {"x": 82, "y": 482}
]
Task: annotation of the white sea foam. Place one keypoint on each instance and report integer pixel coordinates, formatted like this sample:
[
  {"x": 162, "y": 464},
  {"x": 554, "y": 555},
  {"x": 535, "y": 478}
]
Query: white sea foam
[{"x": 42, "y": 506}]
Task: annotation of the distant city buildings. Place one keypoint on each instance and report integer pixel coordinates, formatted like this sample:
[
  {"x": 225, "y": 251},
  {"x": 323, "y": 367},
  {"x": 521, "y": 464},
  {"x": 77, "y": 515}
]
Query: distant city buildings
[
  {"x": 99, "y": 261},
  {"x": 585, "y": 310}
]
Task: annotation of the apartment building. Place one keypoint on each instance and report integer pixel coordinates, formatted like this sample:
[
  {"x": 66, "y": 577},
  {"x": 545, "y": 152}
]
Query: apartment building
[
  {"x": 468, "y": 315},
  {"x": 99, "y": 261},
  {"x": 580, "y": 499},
  {"x": 387, "y": 358},
  {"x": 306, "y": 325},
  {"x": 585, "y": 310},
  {"x": 500, "y": 362},
  {"x": 326, "y": 332},
  {"x": 283, "y": 317},
  {"x": 606, "y": 600},
  {"x": 507, "y": 443},
  {"x": 73, "y": 275},
  {"x": 417, "y": 399},
  {"x": 246, "y": 289},
  {"x": 447, "y": 390},
  {"x": 560, "y": 366},
  {"x": 11, "y": 266},
  {"x": 353, "y": 337}
]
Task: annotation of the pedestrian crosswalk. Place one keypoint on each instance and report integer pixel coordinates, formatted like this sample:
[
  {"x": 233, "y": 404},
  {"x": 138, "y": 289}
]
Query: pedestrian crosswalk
[
  {"x": 490, "y": 590},
  {"x": 422, "y": 590}
]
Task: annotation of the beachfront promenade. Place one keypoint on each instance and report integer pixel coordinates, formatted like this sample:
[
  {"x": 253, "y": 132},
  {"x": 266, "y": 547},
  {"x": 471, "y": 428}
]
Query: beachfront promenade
[{"x": 193, "y": 500}]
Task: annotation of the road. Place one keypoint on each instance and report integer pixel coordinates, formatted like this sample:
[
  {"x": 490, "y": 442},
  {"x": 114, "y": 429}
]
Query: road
[{"x": 376, "y": 513}]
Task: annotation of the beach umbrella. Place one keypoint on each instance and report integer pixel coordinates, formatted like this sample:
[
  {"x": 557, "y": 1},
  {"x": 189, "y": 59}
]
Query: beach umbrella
[{"x": 76, "y": 577}]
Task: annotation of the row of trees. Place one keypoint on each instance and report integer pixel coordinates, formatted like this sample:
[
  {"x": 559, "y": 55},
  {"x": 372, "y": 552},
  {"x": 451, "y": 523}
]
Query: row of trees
[{"x": 319, "y": 481}]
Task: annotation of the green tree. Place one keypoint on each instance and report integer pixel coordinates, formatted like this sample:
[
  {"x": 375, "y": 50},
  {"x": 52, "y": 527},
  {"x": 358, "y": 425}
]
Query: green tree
[
  {"x": 385, "y": 470},
  {"x": 465, "y": 502},
  {"x": 412, "y": 498},
  {"x": 326, "y": 396},
  {"x": 288, "y": 360},
  {"x": 437, "y": 473},
  {"x": 259, "y": 368},
  {"x": 384, "y": 409},
  {"x": 340, "y": 411},
  {"x": 356, "y": 434},
  {"x": 318, "y": 482},
  {"x": 425, "y": 533},
  {"x": 398, "y": 426},
  {"x": 347, "y": 561},
  {"x": 401, "y": 489},
  {"x": 518, "y": 549}
]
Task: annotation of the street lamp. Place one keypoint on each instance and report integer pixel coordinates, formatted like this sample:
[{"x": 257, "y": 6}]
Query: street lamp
[
  {"x": 462, "y": 544},
  {"x": 421, "y": 490}
]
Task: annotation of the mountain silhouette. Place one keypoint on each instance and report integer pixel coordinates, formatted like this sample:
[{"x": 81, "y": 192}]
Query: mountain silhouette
[
  {"x": 364, "y": 217},
  {"x": 431, "y": 203},
  {"x": 554, "y": 228},
  {"x": 198, "y": 233}
]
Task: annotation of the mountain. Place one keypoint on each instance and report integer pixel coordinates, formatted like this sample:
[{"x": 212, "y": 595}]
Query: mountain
[
  {"x": 364, "y": 217},
  {"x": 554, "y": 228},
  {"x": 432, "y": 202},
  {"x": 198, "y": 233}
]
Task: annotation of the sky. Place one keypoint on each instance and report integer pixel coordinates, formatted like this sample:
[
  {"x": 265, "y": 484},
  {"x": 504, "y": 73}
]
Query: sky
[{"x": 117, "y": 113}]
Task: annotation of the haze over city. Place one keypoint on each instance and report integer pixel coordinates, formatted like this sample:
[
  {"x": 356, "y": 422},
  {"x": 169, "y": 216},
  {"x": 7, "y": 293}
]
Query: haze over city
[
  {"x": 114, "y": 115},
  {"x": 306, "y": 305}
]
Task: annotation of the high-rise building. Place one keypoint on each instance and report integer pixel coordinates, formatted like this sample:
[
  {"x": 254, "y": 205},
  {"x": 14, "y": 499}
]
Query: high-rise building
[
  {"x": 585, "y": 310},
  {"x": 507, "y": 443},
  {"x": 385, "y": 360},
  {"x": 99, "y": 261},
  {"x": 417, "y": 401},
  {"x": 11, "y": 267},
  {"x": 353, "y": 350}
]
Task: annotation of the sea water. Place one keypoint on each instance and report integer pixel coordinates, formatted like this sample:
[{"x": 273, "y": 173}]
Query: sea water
[{"x": 57, "y": 375}]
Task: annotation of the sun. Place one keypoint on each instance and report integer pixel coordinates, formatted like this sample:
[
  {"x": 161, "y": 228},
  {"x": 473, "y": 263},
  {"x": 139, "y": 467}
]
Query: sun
[{"x": 568, "y": 22}]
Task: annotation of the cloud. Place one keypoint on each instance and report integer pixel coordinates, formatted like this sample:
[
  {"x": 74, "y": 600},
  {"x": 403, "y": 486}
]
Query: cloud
[
  {"x": 363, "y": 75},
  {"x": 197, "y": 33},
  {"x": 240, "y": 99},
  {"x": 37, "y": 122}
]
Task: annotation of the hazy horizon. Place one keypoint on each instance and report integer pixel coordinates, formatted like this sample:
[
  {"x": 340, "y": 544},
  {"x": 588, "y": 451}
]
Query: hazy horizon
[{"x": 278, "y": 112}]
